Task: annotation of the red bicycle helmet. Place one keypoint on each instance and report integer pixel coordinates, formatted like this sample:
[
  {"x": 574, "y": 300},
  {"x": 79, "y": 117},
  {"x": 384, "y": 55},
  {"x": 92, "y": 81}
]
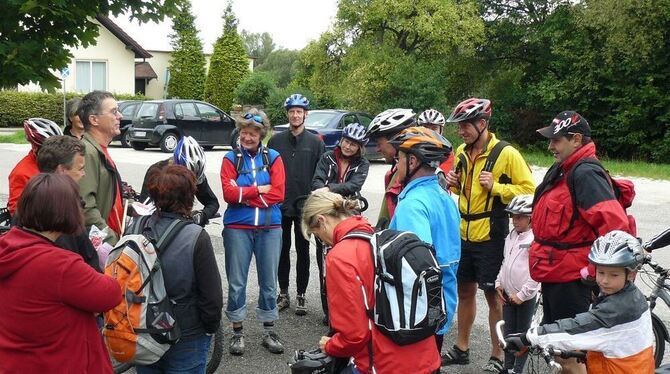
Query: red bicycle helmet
[
  {"x": 471, "y": 109},
  {"x": 38, "y": 129}
]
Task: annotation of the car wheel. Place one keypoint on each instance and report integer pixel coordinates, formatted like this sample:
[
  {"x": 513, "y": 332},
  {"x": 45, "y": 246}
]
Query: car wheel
[
  {"x": 138, "y": 146},
  {"x": 169, "y": 142},
  {"x": 125, "y": 139}
]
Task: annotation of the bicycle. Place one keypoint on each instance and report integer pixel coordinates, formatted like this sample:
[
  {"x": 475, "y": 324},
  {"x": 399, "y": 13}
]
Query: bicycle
[
  {"x": 214, "y": 355},
  {"x": 657, "y": 280},
  {"x": 5, "y": 220},
  {"x": 547, "y": 354},
  {"x": 311, "y": 362}
]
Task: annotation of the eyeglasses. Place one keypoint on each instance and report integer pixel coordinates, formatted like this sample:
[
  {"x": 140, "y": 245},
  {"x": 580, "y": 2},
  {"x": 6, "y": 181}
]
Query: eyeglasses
[
  {"x": 113, "y": 112},
  {"x": 254, "y": 117}
]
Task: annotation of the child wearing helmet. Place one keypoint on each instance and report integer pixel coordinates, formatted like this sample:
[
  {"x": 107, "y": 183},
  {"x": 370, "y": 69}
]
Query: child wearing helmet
[
  {"x": 37, "y": 130},
  {"x": 517, "y": 290},
  {"x": 616, "y": 331},
  {"x": 342, "y": 171},
  {"x": 434, "y": 120}
]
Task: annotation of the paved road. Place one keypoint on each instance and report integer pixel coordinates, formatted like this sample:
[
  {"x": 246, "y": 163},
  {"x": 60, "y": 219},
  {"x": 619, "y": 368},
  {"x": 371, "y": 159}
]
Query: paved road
[{"x": 651, "y": 205}]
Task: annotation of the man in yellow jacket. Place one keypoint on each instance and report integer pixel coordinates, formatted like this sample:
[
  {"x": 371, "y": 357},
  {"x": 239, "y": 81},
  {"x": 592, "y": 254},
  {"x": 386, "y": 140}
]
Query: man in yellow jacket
[{"x": 487, "y": 175}]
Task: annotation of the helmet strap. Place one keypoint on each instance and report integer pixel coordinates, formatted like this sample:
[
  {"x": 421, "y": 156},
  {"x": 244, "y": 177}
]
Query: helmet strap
[{"x": 409, "y": 174}]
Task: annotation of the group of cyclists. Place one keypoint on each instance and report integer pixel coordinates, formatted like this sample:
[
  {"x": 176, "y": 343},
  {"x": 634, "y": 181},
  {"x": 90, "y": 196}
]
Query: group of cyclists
[{"x": 571, "y": 242}]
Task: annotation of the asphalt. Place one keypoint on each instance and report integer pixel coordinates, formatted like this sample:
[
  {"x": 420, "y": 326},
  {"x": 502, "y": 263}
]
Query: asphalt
[{"x": 297, "y": 332}]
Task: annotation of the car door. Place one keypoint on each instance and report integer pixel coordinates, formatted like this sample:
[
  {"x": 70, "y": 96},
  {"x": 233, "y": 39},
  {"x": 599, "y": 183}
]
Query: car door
[
  {"x": 332, "y": 138},
  {"x": 216, "y": 126},
  {"x": 188, "y": 119}
]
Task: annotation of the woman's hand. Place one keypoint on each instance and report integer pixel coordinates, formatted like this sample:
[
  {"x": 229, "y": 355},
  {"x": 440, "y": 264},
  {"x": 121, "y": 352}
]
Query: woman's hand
[
  {"x": 514, "y": 299},
  {"x": 322, "y": 343},
  {"x": 264, "y": 188},
  {"x": 322, "y": 189}
]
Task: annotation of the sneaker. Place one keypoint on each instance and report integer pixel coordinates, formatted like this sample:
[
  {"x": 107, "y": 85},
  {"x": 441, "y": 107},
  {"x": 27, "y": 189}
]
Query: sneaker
[
  {"x": 236, "y": 345},
  {"x": 495, "y": 365},
  {"x": 301, "y": 309},
  {"x": 455, "y": 356},
  {"x": 271, "y": 342},
  {"x": 283, "y": 301}
]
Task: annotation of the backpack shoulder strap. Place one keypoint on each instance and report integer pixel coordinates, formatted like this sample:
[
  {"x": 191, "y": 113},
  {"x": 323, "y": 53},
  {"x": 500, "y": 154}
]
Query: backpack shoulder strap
[
  {"x": 358, "y": 235},
  {"x": 493, "y": 156},
  {"x": 266, "y": 157},
  {"x": 239, "y": 160},
  {"x": 173, "y": 229},
  {"x": 137, "y": 226}
]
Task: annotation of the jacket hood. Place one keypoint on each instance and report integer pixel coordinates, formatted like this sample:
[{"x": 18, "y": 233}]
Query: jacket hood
[
  {"x": 587, "y": 151},
  {"x": 355, "y": 223},
  {"x": 18, "y": 247}
]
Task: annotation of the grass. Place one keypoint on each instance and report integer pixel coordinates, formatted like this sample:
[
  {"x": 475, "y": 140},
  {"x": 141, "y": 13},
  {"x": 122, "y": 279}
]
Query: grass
[
  {"x": 616, "y": 167},
  {"x": 15, "y": 138}
]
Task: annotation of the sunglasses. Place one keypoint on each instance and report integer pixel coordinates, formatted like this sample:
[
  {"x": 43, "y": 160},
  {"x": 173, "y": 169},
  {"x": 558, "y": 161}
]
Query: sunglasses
[{"x": 254, "y": 117}]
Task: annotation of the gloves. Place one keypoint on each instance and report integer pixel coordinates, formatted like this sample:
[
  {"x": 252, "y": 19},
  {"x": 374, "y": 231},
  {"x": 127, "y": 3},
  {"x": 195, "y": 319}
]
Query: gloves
[
  {"x": 199, "y": 218},
  {"x": 516, "y": 342}
]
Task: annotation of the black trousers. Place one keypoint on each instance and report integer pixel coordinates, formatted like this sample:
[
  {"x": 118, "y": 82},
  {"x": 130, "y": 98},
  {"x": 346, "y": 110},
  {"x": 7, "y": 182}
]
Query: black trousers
[
  {"x": 320, "y": 262},
  {"x": 517, "y": 319},
  {"x": 302, "y": 252}
]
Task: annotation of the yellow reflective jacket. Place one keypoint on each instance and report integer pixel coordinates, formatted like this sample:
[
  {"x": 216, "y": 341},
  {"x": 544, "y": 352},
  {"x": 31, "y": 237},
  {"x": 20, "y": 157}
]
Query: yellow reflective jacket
[{"x": 483, "y": 215}]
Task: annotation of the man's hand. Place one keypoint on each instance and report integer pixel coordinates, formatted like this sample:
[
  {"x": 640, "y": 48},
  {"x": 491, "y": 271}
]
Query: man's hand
[
  {"x": 322, "y": 343},
  {"x": 264, "y": 188},
  {"x": 486, "y": 180},
  {"x": 516, "y": 342},
  {"x": 453, "y": 178},
  {"x": 199, "y": 218}
]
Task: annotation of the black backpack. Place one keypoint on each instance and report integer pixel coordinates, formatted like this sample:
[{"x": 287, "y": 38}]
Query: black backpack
[{"x": 405, "y": 270}]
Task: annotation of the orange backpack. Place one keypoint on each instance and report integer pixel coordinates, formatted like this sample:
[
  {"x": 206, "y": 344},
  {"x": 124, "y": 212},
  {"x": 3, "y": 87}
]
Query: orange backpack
[{"x": 143, "y": 326}]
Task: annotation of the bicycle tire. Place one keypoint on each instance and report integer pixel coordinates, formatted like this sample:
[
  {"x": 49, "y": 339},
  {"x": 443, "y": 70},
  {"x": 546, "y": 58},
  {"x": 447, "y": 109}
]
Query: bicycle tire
[
  {"x": 215, "y": 353},
  {"x": 659, "y": 340}
]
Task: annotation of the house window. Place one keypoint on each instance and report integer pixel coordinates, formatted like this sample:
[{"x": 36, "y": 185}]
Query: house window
[{"x": 91, "y": 75}]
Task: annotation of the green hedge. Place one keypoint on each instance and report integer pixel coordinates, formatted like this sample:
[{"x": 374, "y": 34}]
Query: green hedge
[{"x": 17, "y": 106}]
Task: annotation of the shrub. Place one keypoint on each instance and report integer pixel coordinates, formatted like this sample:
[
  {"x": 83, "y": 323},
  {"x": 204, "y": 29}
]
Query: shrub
[
  {"x": 255, "y": 89},
  {"x": 16, "y": 106}
]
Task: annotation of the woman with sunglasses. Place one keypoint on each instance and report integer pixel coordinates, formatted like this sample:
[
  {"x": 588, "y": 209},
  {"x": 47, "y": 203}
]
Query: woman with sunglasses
[
  {"x": 253, "y": 186},
  {"x": 342, "y": 171}
]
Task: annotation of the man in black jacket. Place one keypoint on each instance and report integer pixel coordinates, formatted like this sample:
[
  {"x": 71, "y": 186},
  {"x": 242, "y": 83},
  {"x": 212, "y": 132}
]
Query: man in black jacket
[{"x": 300, "y": 150}]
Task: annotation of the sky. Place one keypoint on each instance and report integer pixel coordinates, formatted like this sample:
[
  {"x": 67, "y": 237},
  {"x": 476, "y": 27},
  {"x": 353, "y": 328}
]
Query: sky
[{"x": 291, "y": 23}]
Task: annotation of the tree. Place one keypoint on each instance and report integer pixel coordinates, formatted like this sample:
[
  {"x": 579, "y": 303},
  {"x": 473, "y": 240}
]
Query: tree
[
  {"x": 255, "y": 89},
  {"x": 36, "y": 35},
  {"x": 281, "y": 65},
  {"x": 187, "y": 65},
  {"x": 228, "y": 65},
  {"x": 258, "y": 45}
]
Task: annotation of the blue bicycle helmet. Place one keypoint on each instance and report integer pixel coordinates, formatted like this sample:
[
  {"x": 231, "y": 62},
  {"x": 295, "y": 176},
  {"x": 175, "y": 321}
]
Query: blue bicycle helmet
[
  {"x": 355, "y": 132},
  {"x": 296, "y": 100},
  {"x": 190, "y": 154}
]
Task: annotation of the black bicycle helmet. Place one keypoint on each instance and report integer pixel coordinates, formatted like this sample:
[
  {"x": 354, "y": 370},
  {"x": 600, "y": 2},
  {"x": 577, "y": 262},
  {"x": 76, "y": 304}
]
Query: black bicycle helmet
[
  {"x": 617, "y": 248},
  {"x": 311, "y": 362}
]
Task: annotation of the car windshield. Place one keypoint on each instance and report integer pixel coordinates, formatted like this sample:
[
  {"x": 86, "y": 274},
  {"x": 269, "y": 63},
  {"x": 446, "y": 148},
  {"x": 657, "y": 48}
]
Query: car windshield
[
  {"x": 319, "y": 119},
  {"x": 148, "y": 110}
]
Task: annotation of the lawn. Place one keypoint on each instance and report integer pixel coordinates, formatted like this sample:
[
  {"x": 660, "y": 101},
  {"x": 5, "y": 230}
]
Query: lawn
[{"x": 15, "y": 138}]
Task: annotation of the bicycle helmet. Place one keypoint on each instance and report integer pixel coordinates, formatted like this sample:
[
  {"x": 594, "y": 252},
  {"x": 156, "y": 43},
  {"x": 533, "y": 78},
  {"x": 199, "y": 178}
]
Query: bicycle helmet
[
  {"x": 311, "y": 362},
  {"x": 471, "y": 109},
  {"x": 390, "y": 122},
  {"x": 296, "y": 100},
  {"x": 38, "y": 129},
  {"x": 355, "y": 132},
  {"x": 431, "y": 117},
  {"x": 190, "y": 154},
  {"x": 617, "y": 248},
  {"x": 427, "y": 145},
  {"x": 521, "y": 204}
]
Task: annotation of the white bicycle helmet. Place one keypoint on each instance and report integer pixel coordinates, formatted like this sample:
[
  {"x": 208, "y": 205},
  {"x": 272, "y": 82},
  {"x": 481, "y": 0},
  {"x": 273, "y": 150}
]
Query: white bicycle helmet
[
  {"x": 38, "y": 129},
  {"x": 521, "y": 204},
  {"x": 431, "y": 117},
  {"x": 390, "y": 122},
  {"x": 190, "y": 154},
  {"x": 617, "y": 248},
  {"x": 356, "y": 133}
]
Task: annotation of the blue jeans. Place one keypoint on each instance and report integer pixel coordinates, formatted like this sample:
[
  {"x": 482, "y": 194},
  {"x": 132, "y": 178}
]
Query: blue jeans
[
  {"x": 187, "y": 356},
  {"x": 239, "y": 245}
]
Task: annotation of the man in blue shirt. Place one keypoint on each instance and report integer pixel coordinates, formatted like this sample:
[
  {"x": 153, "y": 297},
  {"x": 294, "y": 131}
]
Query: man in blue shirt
[{"x": 426, "y": 208}]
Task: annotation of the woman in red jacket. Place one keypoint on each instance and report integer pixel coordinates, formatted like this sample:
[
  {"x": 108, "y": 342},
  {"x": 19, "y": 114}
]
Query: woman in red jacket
[
  {"x": 50, "y": 295},
  {"x": 350, "y": 269}
]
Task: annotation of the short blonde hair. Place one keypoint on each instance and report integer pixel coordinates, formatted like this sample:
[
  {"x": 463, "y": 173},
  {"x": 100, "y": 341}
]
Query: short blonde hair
[
  {"x": 328, "y": 204},
  {"x": 242, "y": 121}
]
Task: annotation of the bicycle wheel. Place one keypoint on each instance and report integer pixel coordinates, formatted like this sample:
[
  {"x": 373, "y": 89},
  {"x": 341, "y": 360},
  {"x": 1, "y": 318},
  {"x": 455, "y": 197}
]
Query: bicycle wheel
[
  {"x": 215, "y": 351},
  {"x": 659, "y": 339},
  {"x": 535, "y": 364},
  {"x": 539, "y": 313}
]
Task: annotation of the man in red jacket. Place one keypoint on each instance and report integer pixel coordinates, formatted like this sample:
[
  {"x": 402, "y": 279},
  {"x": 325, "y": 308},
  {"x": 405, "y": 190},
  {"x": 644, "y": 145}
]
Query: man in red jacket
[{"x": 561, "y": 246}]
